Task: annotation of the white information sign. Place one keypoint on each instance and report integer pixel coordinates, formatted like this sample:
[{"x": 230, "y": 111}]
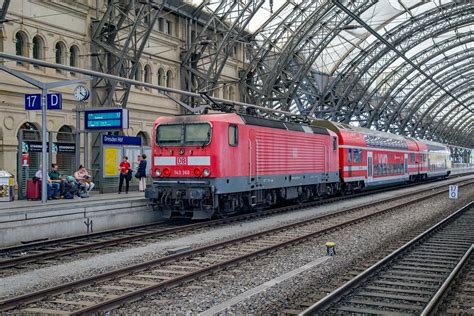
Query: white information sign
[{"x": 453, "y": 191}]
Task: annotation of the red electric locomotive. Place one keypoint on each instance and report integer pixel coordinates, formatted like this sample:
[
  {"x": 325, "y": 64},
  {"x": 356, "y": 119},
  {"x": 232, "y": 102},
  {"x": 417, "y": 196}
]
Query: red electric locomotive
[{"x": 219, "y": 164}]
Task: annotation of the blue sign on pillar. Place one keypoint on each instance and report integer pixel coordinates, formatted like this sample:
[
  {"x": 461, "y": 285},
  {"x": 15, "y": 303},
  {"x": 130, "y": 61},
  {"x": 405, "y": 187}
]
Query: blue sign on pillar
[
  {"x": 55, "y": 101},
  {"x": 32, "y": 101}
]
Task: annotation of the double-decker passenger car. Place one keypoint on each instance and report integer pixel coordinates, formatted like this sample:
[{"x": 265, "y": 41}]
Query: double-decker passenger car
[
  {"x": 224, "y": 163},
  {"x": 434, "y": 159},
  {"x": 373, "y": 158}
]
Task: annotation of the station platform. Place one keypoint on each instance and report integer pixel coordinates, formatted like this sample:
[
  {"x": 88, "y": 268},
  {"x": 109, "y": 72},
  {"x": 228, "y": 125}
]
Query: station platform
[{"x": 26, "y": 221}]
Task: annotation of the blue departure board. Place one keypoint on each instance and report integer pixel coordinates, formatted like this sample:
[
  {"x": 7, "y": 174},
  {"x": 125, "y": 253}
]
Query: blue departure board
[{"x": 106, "y": 119}]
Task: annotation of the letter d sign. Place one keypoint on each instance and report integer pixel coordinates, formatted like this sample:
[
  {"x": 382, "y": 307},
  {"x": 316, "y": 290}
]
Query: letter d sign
[{"x": 55, "y": 101}]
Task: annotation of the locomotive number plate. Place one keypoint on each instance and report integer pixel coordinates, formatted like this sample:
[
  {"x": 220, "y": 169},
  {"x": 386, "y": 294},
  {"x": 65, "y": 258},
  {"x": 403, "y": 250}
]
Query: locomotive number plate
[
  {"x": 182, "y": 161},
  {"x": 182, "y": 172}
]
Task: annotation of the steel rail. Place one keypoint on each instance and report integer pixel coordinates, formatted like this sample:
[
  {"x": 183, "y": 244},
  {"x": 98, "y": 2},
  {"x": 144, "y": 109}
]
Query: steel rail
[
  {"x": 16, "y": 259},
  {"x": 114, "y": 275},
  {"x": 337, "y": 294},
  {"x": 433, "y": 304}
]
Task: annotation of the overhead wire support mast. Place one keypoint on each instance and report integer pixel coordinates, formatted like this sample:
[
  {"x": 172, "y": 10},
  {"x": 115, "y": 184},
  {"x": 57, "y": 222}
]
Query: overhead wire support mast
[{"x": 399, "y": 53}]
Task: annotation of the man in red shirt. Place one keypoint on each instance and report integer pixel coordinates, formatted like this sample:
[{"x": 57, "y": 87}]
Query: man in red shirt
[{"x": 124, "y": 167}]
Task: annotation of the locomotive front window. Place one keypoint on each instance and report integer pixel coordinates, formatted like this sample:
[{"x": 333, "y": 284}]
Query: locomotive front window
[
  {"x": 198, "y": 134},
  {"x": 169, "y": 135}
]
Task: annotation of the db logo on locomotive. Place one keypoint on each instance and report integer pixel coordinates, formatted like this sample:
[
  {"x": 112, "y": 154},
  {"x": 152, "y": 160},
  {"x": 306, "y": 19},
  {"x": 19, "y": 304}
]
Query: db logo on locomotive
[{"x": 182, "y": 161}]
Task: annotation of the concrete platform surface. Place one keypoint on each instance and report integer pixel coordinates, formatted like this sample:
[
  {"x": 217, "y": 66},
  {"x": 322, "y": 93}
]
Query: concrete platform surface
[
  {"x": 7, "y": 208},
  {"x": 26, "y": 221}
]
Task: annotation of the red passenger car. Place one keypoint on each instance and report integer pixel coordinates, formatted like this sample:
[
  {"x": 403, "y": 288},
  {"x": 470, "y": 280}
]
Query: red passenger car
[
  {"x": 226, "y": 163},
  {"x": 373, "y": 158}
]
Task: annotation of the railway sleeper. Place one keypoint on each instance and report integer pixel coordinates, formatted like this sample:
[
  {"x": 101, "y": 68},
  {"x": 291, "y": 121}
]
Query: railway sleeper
[{"x": 398, "y": 290}]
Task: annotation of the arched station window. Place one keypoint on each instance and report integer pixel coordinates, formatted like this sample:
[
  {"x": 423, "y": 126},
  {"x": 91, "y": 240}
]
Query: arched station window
[
  {"x": 73, "y": 57},
  {"x": 38, "y": 49},
  {"x": 60, "y": 54},
  {"x": 20, "y": 45},
  {"x": 147, "y": 74},
  {"x": 169, "y": 79},
  {"x": 139, "y": 74},
  {"x": 161, "y": 76}
]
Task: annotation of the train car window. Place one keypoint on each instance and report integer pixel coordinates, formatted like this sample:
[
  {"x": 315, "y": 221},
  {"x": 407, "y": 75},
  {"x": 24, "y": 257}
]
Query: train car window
[
  {"x": 349, "y": 155},
  {"x": 334, "y": 144},
  {"x": 412, "y": 156},
  {"x": 233, "y": 139},
  {"x": 357, "y": 155}
]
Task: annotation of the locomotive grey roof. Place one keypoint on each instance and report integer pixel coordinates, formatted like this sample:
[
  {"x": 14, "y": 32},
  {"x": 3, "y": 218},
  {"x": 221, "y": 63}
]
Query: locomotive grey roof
[{"x": 257, "y": 121}]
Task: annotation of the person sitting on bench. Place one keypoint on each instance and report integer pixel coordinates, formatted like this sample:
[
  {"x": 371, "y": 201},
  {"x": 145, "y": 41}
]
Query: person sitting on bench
[
  {"x": 84, "y": 178},
  {"x": 52, "y": 187},
  {"x": 56, "y": 177}
]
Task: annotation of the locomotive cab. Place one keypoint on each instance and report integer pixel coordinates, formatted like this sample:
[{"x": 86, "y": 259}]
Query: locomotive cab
[{"x": 185, "y": 164}]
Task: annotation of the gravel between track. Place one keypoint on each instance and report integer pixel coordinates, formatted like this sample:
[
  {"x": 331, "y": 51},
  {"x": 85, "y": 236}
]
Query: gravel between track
[
  {"x": 50, "y": 276},
  {"x": 353, "y": 244}
]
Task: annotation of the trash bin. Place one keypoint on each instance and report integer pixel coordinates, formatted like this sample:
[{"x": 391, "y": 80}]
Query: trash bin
[{"x": 6, "y": 186}]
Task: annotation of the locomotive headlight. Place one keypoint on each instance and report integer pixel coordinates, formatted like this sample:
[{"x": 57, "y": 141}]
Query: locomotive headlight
[
  {"x": 157, "y": 172},
  {"x": 206, "y": 172}
]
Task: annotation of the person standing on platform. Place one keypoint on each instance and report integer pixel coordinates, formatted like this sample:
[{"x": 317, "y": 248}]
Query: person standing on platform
[
  {"x": 124, "y": 168},
  {"x": 141, "y": 174}
]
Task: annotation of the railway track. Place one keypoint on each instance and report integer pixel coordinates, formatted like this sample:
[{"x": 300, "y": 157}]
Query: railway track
[
  {"x": 16, "y": 259},
  {"x": 456, "y": 295},
  {"x": 410, "y": 280},
  {"x": 110, "y": 290}
]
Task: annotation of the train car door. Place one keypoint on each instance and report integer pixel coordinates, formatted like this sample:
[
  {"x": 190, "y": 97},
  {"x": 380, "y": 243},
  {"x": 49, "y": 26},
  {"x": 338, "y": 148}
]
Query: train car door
[
  {"x": 252, "y": 157},
  {"x": 349, "y": 162},
  {"x": 405, "y": 165},
  {"x": 370, "y": 168}
]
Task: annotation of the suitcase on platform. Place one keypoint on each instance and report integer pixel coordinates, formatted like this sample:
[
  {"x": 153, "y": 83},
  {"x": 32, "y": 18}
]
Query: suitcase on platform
[{"x": 33, "y": 190}]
